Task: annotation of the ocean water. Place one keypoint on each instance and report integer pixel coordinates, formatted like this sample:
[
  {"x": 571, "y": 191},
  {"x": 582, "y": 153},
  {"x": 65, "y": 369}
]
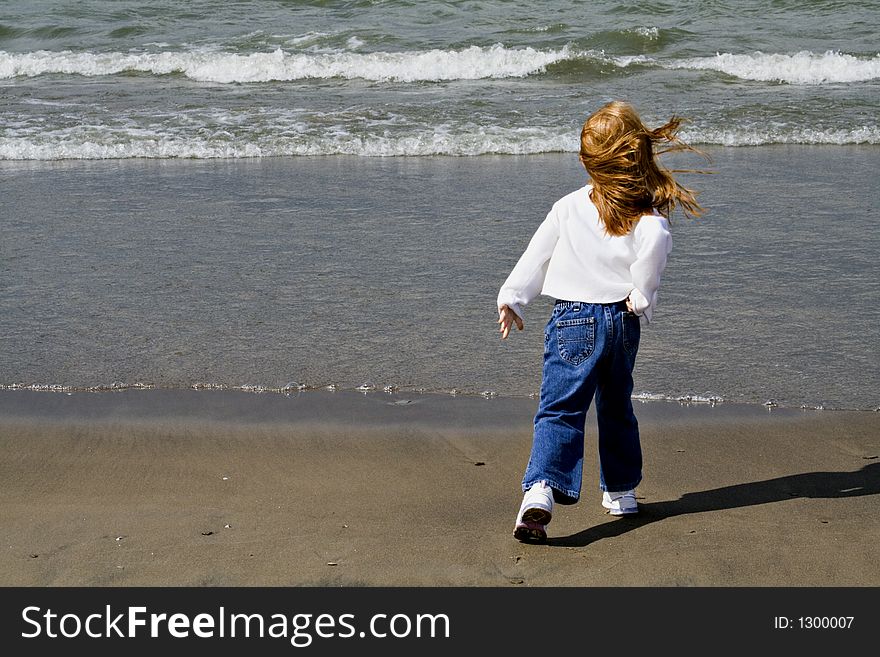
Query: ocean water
[
  {"x": 375, "y": 273},
  {"x": 259, "y": 195},
  {"x": 91, "y": 80}
]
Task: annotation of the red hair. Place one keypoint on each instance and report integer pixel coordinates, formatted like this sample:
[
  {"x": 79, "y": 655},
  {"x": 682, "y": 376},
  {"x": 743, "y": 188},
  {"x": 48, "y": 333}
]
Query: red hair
[{"x": 618, "y": 152}]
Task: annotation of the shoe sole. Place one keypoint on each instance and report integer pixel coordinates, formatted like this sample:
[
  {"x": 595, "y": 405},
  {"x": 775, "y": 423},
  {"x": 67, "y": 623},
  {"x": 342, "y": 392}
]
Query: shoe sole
[
  {"x": 621, "y": 512},
  {"x": 537, "y": 515},
  {"x": 528, "y": 532}
]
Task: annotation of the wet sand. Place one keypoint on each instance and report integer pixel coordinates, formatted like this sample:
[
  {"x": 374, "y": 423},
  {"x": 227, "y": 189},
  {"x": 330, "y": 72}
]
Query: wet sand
[{"x": 185, "y": 487}]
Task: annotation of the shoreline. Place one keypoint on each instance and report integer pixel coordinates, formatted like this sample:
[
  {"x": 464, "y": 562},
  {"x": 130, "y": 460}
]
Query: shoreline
[
  {"x": 220, "y": 488},
  {"x": 391, "y": 394},
  {"x": 264, "y": 404}
]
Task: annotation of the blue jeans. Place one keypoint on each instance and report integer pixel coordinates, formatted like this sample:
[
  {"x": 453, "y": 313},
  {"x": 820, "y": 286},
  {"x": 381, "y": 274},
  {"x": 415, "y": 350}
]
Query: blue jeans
[{"x": 589, "y": 349}]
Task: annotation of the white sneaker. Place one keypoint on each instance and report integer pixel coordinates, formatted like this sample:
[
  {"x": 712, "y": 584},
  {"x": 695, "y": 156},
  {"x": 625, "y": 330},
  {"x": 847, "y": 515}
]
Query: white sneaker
[
  {"x": 535, "y": 512},
  {"x": 620, "y": 504}
]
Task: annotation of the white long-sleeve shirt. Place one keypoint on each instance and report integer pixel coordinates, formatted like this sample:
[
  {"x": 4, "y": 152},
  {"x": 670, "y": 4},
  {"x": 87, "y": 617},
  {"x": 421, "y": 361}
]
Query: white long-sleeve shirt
[{"x": 571, "y": 257}]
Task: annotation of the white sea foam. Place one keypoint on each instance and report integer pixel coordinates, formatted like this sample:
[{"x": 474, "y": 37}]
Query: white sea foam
[
  {"x": 47, "y": 103},
  {"x": 650, "y": 33},
  {"x": 443, "y": 141},
  {"x": 469, "y": 140},
  {"x": 628, "y": 60},
  {"x": 57, "y": 387},
  {"x": 712, "y": 400},
  {"x": 300, "y": 39},
  {"x": 800, "y": 68},
  {"x": 760, "y": 136},
  {"x": 471, "y": 63},
  {"x": 366, "y": 387}
]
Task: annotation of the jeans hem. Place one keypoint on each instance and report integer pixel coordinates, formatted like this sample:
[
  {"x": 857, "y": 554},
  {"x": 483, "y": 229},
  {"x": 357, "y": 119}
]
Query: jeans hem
[
  {"x": 571, "y": 496},
  {"x": 620, "y": 488}
]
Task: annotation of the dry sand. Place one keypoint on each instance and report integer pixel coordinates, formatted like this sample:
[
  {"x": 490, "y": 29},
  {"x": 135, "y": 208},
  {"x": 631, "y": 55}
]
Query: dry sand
[{"x": 164, "y": 487}]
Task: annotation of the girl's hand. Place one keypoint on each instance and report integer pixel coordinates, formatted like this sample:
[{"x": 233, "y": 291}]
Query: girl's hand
[{"x": 507, "y": 318}]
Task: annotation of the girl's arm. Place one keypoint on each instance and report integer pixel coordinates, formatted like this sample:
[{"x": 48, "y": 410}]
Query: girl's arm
[
  {"x": 653, "y": 244},
  {"x": 527, "y": 278}
]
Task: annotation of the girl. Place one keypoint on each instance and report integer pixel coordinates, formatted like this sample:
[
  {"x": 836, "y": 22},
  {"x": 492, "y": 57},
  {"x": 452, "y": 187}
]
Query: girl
[{"x": 600, "y": 252}]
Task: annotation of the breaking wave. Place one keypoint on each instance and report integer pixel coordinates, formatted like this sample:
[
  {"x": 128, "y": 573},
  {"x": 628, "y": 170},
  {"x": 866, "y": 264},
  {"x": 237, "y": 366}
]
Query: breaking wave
[
  {"x": 804, "y": 67},
  {"x": 471, "y": 63},
  {"x": 116, "y": 144}
]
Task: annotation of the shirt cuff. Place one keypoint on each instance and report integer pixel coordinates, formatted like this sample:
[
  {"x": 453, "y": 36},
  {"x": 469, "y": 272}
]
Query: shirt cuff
[
  {"x": 639, "y": 303},
  {"x": 515, "y": 307},
  {"x": 507, "y": 299}
]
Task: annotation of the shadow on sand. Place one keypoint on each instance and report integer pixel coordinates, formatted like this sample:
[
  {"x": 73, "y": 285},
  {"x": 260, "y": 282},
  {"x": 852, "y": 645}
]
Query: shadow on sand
[{"x": 811, "y": 484}]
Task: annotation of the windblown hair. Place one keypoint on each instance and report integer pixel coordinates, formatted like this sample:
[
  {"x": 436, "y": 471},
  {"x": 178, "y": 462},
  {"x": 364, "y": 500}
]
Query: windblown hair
[{"x": 619, "y": 154}]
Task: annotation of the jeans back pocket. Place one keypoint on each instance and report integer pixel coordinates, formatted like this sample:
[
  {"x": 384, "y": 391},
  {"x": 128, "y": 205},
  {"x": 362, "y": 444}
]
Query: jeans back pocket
[{"x": 576, "y": 339}]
